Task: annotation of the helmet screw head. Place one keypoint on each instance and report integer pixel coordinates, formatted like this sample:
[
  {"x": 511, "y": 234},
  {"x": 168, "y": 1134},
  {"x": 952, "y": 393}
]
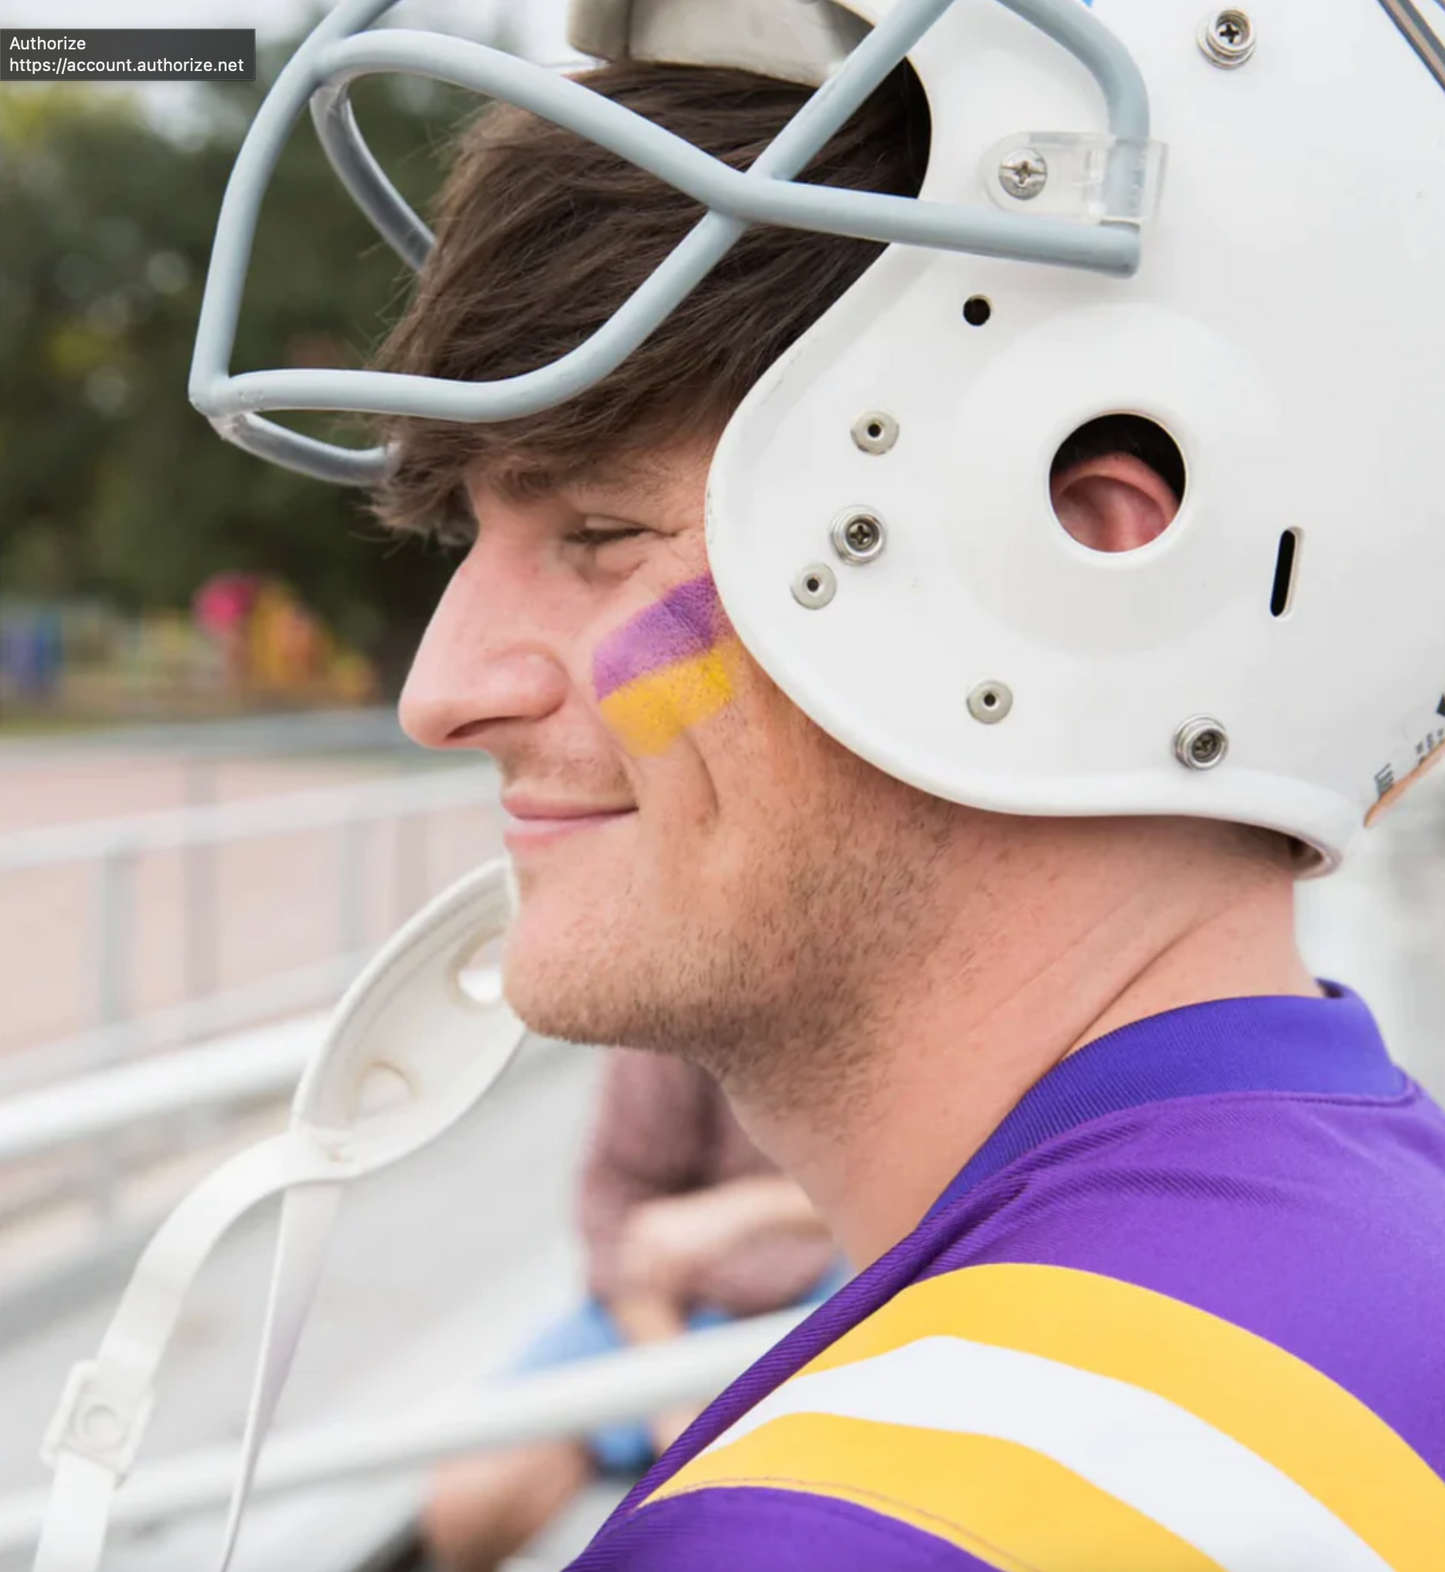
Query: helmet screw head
[
  {"x": 990, "y": 702},
  {"x": 815, "y": 587},
  {"x": 1024, "y": 173},
  {"x": 859, "y": 537},
  {"x": 1201, "y": 743},
  {"x": 1227, "y": 38}
]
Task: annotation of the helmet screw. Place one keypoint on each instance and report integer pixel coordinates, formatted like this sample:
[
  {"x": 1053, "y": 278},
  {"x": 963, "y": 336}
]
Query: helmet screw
[
  {"x": 1227, "y": 38},
  {"x": 859, "y": 538},
  {"x": 875, "y": 432},
  {"x": 990, "y": 702},
  {"x": 1024, "y": 173},
  {"x": 814, "y": 587},
  {"x": 1201, "y": 743}
]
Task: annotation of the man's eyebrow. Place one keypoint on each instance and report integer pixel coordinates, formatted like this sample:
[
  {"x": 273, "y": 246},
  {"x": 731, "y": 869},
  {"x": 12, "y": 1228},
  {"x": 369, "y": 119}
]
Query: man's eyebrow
[
  {"x": 590, "y": 485},
  {"x": 619, "y": 479}
]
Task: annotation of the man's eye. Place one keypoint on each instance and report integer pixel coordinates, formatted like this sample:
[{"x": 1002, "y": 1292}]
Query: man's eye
[{"x": 591, "y": 539}]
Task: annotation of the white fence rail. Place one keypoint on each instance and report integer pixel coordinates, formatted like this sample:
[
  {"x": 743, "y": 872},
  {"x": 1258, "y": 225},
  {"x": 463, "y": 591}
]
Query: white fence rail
[
  {"x": 375, "y": 729},
  {"x": 247, "y": 1068},
  {"x": 78, "y": 1092},
  {"x": 114, "y": 847},
  {"x": 572, "y": 1400},
  {"x": 103, "y": 840}
]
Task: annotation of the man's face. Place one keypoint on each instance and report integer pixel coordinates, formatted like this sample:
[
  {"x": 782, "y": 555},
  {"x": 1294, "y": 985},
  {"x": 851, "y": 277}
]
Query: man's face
[{"x": 700, "y": 869}]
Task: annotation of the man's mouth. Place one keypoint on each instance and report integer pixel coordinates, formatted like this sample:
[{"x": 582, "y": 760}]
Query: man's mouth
[{"x": 530, "y": 824}]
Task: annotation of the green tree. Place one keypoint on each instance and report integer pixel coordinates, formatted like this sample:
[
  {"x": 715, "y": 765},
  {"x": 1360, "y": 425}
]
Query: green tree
[{"x": 109, "y": 482}]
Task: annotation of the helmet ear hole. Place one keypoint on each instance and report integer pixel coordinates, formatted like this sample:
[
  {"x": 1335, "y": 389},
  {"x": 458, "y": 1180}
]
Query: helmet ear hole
[{"x": 1117, "y": 483}]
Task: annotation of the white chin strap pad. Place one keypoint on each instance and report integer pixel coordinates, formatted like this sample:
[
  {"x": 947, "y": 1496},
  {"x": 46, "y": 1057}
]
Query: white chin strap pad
[{"x": 406, "y": 1054}]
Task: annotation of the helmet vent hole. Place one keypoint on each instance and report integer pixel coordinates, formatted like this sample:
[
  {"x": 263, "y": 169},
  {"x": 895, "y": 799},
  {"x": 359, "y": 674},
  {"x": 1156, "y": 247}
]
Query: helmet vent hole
[
  {"x": 977, "y": 310},
  {"x": 1281, "y": 598}
]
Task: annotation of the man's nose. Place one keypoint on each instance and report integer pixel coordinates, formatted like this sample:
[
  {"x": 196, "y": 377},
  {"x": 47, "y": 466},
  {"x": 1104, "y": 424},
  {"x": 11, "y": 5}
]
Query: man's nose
[{"x": 481, "y": 664}]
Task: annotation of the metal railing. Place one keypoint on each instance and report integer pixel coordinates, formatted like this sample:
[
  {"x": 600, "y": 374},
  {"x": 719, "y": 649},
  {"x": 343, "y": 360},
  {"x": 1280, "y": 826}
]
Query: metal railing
[
  {"x": 248, "y": 1068},
  {"x": 114, "y": 848},
  {"x": 39, "y": 1096},
  {"x": 570, "y": 1401},
  {"x": 310, "y": 732}
]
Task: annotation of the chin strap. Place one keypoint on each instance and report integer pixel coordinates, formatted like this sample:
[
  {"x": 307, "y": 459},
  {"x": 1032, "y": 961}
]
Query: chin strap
[{"x": 406, "y": 1054}]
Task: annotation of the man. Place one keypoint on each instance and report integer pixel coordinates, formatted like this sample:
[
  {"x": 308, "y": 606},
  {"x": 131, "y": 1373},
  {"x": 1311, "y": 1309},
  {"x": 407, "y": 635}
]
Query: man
[
  {"x": 917, "y": 679},
  {"x": 685, "y": 1224}
]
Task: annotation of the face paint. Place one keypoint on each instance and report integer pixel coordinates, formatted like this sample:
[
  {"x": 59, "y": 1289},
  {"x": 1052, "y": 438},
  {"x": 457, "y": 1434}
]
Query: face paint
[{"x": 667, "y": 669}]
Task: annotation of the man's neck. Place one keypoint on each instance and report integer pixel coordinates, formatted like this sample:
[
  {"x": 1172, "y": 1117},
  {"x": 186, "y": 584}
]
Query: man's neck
[{"x": 953, "y": 1046}]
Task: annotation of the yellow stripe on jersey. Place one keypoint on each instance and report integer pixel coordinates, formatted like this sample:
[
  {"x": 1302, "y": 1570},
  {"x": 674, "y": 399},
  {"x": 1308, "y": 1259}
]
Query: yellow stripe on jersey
[
  {"x": 1005, "y": 1504},
  {"x": 1230, "y": 1504},
  {"x": 1299, "y": 1421}
]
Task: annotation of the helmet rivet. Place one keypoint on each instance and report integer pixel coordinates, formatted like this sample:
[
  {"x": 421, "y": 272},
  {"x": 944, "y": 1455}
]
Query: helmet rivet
[
  {"x": 1024, "y": 173},
  {"x": 859, "y": 537},
  {"x": 1227, "y": 38},
  {"x": 815, "y": 586},
  {"x": 1201, "y": 743},
  {"x": 875, "y": 432},
  {"x": 990, "y": 702}
]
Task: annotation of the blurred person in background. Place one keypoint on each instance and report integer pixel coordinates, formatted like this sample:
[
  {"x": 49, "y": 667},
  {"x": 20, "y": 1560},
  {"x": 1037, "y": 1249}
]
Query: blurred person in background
[{"x": 685, "y": 1225}]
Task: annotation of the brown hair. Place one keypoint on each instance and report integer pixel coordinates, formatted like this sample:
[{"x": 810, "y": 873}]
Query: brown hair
[{"x": 541, "y": 235}]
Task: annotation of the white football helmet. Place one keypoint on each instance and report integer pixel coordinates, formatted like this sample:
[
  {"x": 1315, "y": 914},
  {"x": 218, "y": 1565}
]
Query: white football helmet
[
  {"x": 1277, "y": 656},
  {"x": 879, "y": 515}
]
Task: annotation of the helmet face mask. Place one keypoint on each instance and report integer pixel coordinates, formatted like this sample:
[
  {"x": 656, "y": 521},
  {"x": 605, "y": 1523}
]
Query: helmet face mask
[{"x": 1047, "y": 275}]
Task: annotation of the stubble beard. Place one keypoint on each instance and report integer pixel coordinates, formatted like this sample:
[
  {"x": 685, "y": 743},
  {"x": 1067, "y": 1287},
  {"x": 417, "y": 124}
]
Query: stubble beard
[{"x": 777, "y": 978}]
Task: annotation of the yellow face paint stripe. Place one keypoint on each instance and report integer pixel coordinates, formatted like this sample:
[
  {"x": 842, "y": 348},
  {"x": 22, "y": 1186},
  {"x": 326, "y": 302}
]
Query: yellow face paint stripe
[
  {"x": 650, "y": 713},
  {"x": 1011, "y": 1507},
  {"x": 1295, "y": 1418}
]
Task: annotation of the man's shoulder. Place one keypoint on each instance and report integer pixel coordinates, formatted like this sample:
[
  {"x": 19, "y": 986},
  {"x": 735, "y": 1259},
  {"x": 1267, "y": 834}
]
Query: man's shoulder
[
  {"x": 1008, "y": 1415},
  {"x": 1162, "y": 1334},
  {"x": 1241, "y": 1165},
  {"x": 1281, "y": 1217},
  {"x": 774, "y": 1525}
]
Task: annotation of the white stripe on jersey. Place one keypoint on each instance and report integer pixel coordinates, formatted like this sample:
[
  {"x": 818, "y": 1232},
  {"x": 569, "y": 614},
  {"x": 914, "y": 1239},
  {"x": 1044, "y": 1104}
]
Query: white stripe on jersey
[{"x": 1213, "y": 1492}]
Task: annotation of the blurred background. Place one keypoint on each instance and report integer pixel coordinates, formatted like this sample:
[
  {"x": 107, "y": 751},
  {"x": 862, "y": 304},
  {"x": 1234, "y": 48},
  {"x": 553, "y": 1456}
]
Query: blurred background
[{"x": 208, "y": 817}]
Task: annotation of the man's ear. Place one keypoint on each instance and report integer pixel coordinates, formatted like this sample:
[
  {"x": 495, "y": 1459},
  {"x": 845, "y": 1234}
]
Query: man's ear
[{"x": 1113, "y": 502}]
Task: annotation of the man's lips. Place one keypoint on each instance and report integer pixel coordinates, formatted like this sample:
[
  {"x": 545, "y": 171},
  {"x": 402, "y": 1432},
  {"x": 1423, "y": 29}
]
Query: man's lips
[{"x": 531, "y": 822}]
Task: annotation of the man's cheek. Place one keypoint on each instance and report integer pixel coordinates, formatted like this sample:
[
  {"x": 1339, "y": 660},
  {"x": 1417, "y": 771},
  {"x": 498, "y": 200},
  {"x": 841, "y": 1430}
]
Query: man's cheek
[{"x": 672, "y": 667}]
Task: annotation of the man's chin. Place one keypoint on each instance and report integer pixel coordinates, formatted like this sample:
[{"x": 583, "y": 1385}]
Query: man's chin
[{"x": 550, "y": 978}]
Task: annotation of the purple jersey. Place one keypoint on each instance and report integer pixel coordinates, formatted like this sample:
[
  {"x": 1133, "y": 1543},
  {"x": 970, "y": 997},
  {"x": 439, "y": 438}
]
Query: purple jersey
[{"x": 1184, "y": 1310}]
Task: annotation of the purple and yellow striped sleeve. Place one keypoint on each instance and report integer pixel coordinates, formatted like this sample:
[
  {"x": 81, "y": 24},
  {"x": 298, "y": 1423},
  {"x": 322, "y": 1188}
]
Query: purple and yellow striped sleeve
[{"x": 766, "y": 1530}]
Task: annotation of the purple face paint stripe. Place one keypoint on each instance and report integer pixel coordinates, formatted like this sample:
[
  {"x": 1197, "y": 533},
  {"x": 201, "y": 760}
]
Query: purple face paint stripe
[{"x": 686, "y": 622}]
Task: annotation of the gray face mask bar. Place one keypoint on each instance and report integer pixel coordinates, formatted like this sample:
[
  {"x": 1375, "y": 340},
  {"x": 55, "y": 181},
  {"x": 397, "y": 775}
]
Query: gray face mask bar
[
  {"x": 338, "y": 52},
  {"x": 1425, "y": 37}
]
